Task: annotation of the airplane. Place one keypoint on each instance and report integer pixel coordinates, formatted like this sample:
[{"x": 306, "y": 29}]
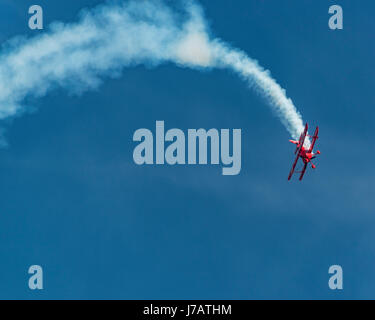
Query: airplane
[{"x": 303, "y": 153}]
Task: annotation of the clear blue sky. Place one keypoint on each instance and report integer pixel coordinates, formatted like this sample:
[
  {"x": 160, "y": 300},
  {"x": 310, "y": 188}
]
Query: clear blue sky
[{"x": 73, "y": 201}]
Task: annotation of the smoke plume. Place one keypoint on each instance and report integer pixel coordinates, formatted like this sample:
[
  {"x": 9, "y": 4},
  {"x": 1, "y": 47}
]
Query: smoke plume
[{"x": 113, "y": 36}]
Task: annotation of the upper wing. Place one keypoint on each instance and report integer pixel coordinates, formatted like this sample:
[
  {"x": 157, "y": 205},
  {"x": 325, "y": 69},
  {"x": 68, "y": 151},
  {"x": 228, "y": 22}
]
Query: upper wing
[
  {"x": 293, "y": 167},
  {"x": 298, "y": 149},
  {"x": 314, "y": 139},
  {"x": 301, "y": 140},
  {"x": 303, "y": 171}
]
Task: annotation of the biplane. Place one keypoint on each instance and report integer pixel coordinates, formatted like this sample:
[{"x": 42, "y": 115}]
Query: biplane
[{"x": 302, "y": 152}]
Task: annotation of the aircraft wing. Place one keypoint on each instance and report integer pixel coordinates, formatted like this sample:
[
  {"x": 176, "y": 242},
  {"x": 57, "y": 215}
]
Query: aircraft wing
[
  {"x": 293, "y": 167},
  {"x": 303, "y": 172},
  {"x": 314, "y": 139},
  {"x": 298, "y": 149},
  {"x": 301, "y": 140}
]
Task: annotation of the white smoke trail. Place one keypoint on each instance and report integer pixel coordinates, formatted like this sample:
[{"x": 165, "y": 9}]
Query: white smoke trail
[
  {"x": 266, "y": 86},
  {"x": 113, "y": 36}
]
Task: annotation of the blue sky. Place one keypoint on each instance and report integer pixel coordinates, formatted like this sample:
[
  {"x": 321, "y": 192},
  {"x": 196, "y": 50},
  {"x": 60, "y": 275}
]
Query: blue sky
[{"x": 73, "y": 201}]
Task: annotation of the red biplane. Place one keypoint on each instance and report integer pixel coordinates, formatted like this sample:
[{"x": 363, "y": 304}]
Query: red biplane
[{"x": 305, "y": 154}]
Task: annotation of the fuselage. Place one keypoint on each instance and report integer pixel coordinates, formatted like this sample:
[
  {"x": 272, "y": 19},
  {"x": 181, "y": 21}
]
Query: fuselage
[{"x": 306, "y": 156}]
